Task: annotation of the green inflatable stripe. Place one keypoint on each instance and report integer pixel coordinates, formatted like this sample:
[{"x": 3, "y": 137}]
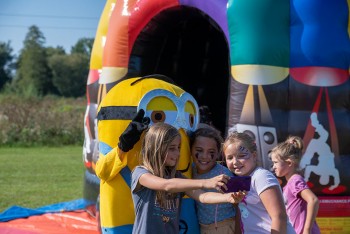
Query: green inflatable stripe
[{"x": 259, "y": 32}]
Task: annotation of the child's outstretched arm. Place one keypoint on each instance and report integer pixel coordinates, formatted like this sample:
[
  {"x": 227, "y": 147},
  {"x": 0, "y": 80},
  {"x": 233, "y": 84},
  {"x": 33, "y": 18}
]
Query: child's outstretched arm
[
  {"x": 312, "y": 209},
  {"x": 175, "y": 185},
  {"x": 215, "y": 198}
]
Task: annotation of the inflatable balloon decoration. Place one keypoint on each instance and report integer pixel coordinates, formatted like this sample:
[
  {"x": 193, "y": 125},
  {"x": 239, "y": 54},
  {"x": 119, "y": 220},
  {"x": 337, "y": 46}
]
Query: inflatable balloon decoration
[{"x": 268, "y": 68}]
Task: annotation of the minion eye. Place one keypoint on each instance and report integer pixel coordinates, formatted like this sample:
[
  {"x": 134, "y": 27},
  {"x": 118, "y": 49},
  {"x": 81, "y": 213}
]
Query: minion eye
[{"x": 158, "y": 116}]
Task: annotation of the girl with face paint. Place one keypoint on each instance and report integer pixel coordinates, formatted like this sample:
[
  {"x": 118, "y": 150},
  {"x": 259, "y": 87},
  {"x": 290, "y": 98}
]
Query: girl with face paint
[
  {"x": 158, "y": 187},
  {"x": 206, "y": 149},
  {"x": 263, "y": 209}
]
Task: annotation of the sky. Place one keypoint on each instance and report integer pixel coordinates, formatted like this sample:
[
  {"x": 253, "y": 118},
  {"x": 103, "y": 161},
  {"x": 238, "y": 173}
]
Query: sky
[{"x": 62, "y": 22}]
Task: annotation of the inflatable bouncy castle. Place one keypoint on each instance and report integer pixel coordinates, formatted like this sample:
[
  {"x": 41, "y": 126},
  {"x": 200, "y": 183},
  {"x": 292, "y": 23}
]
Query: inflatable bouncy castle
[{"x": 271, "y": 68}]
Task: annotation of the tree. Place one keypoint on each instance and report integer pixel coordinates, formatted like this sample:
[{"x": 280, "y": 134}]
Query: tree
[
  {"x": 6, "y": 58},
  {"x": 83, "y": 46},
  {"x": 70, "y": 73},
  {"x": 50, "y": 51},
  {"x": 33, "y": 75}
]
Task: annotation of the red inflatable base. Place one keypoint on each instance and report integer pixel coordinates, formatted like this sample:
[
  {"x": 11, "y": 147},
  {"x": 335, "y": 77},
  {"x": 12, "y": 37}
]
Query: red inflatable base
[{"x": 77, "y": 222}]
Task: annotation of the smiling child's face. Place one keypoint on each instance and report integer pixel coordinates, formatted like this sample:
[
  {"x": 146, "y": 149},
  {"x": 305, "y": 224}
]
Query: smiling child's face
[
  {"x": 239, "y": 159},
  {"x": 204, "y": 154}
]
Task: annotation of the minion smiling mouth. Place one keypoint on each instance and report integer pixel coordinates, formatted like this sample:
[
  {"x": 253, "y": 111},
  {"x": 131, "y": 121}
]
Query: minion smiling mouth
[{"x": 186, "y": 169}]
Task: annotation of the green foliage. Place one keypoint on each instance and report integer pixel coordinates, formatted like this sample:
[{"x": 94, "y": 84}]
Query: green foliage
[
  {"x": 70, "y": 73},
  {"x": 44, "y": 70},
  {"x": 38, "y": 176},
  {"x": 33, "y": 68},
  {"x": 50, "y": 51},
  {"x": 83, "y": 46},
  {"x": 34, "y": 39},
  {"x": 49, "y": 120},
  {"x": 6, "y": 58}
]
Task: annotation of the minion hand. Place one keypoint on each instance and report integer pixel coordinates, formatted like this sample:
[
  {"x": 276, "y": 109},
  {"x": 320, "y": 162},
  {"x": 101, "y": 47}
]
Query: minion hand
[{"x": 133, "y": 132}]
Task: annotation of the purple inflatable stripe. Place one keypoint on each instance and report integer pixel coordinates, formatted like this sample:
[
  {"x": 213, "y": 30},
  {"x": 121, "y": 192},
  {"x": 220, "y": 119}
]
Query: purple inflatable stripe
[{"x": 217, "y": 10}]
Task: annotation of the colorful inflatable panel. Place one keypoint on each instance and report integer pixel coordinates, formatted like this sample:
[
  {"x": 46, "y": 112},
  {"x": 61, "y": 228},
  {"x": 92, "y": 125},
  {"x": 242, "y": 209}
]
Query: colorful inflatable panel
[{"x": 271, "y": 68}]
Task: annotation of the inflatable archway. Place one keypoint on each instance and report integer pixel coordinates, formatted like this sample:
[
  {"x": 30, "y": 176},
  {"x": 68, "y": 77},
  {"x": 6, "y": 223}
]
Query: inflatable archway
[{"x": 270, "y": 68}]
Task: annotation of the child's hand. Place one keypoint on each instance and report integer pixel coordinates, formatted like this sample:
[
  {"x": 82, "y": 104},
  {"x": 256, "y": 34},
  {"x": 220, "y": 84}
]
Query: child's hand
[
  {"x": 217, "y": 182},
  {"x": 236, "y": 197}
]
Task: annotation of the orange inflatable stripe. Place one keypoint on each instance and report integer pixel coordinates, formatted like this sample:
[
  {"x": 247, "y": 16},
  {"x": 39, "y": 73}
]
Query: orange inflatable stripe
[{"x": 116, "y": 49}]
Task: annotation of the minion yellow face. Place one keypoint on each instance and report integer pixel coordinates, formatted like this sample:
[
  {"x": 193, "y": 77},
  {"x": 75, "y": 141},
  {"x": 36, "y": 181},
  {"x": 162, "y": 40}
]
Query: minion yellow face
[
  {"x": 161, "y": 105},
  {"x": 161, "y": 101}
]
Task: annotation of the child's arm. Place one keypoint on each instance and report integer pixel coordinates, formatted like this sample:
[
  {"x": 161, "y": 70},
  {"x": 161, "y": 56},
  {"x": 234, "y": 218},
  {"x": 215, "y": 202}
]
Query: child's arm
[
  {"x": 215, "y": 198},
  {"x": 175, "y": 185},
  {"x": 312, "y": 209},
  {"x": 274, "y": 205},
  {"x": 238, "y": 221}
]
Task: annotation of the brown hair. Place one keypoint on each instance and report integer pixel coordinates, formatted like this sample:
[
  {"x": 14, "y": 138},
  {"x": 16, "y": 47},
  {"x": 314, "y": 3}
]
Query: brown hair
[{"x": 205, "y": 130}]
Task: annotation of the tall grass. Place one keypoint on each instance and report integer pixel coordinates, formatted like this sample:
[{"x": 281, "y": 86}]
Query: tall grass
[
  {"x": 41, "y": 121},
  {"x": 38, "y": 176}
]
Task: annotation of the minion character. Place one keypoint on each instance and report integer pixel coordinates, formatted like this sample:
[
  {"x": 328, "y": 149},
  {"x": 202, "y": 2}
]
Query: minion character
[{"x": 159, "y": 101}]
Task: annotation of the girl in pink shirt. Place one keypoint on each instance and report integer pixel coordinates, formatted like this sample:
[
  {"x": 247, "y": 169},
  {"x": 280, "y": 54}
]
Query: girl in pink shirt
[{"x": 301, "y": 203}]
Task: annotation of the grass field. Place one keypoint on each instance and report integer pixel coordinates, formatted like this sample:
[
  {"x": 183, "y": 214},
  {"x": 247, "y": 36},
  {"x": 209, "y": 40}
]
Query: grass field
[{"x": 38, "y": 176}]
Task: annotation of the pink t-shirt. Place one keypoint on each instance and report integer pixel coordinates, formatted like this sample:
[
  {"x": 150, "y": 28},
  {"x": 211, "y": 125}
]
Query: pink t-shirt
[{"x": 295, "y": 205}]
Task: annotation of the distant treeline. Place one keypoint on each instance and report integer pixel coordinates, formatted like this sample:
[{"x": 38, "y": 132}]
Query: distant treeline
[{"x": 40, "y": 70}]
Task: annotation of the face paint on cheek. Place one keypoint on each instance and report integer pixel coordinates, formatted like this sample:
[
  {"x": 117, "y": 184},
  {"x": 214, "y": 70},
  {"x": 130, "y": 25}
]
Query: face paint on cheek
[
  {"x": 243, "y": 149},
  {"x": 197, "y": 155},
  {"x": 212, "y": 156}
]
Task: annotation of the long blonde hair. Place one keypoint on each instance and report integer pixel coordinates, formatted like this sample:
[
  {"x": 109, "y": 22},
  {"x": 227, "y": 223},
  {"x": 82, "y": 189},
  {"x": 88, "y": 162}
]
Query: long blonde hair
[{"x": 154, "y": 152}]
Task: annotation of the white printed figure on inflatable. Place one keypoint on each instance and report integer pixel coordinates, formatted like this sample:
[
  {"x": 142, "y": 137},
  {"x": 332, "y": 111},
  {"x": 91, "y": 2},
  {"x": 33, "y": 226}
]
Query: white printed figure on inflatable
[{"x": 326, "y": 166}]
